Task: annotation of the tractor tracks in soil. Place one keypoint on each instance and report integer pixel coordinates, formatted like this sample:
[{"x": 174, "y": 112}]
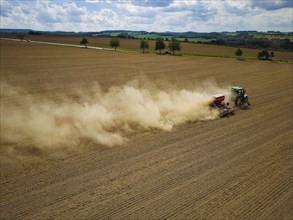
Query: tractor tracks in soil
[{"x": 237, "y": 168}]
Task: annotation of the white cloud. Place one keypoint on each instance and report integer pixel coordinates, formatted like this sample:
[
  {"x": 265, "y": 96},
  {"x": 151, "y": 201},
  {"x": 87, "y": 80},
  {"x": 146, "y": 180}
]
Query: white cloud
[
  {"x": 134, "y": 10},
  {"x": 97, "y": 1},
  {"x": 150, "y": 15},
  {"x": 92, "y": 1}
]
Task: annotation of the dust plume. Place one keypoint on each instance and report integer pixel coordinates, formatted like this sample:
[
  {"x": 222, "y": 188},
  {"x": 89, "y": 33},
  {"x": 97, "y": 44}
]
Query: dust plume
[{"x": 104, "y": 117}]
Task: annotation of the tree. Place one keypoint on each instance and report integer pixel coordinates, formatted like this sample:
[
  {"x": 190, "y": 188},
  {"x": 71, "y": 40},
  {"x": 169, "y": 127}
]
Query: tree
[
  {"x": 238, "y": 52},
  {"x": 114, "y": 42},
  {"x": 144, "y": 44},
  {"x": 35, "y": 33},
  {"x": 84, "y": 41},
  {"x": 263, "y": 55},
  {"x": 285, "y": 43},
  {"x": 174, "y": 45},
  {"x": 160, "y": 45},
  {"x": 20, "y": 36}
]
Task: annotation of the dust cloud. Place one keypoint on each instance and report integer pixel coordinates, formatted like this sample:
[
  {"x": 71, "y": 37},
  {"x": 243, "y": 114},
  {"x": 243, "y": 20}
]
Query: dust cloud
[{"x": 104, "y": 117}]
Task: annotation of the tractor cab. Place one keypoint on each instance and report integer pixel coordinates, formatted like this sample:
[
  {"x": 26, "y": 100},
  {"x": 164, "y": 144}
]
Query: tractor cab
[
  {"x": 239, "y": 97},
  {"x": 238, "y": 90}
]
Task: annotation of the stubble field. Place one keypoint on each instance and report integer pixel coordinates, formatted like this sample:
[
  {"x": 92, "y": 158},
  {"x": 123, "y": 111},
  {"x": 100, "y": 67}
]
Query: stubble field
[{"x": 236, "y": 168}]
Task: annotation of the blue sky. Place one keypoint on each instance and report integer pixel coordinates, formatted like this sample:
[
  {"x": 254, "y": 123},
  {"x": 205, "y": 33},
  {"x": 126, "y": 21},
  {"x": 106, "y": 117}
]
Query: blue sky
[{"x": 149, "y": 15}]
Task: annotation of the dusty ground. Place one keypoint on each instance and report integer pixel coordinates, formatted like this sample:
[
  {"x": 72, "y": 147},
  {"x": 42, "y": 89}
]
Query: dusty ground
[{"x": 234, "y": 168}]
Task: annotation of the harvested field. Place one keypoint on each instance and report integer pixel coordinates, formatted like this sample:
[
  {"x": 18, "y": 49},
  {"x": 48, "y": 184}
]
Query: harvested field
[
  {"x": 234, "y": 168},
  {"x": 133, "y": 44}
]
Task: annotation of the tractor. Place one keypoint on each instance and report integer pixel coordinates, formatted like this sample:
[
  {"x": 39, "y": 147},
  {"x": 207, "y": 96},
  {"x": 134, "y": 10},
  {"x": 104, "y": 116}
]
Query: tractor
[
  {"x": 219, "y": 104},
  {"x": 239, "y": 97}
]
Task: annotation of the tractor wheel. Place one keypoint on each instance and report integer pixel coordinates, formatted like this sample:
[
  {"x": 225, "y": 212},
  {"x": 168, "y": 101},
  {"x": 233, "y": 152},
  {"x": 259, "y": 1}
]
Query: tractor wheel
[
  {"x": 238, "y": 101},
  {"x": 246, "y": 100}
]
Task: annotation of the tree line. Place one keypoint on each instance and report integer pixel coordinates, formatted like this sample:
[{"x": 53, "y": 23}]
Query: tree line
[
  {"x": 174, "y": 45},
  {"x": 256, "y": 43},
  {"x": 247, "y": 39}
]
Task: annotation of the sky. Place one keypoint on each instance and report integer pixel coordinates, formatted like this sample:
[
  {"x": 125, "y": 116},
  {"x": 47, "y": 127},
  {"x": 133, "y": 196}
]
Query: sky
[{"x": 148, "y": 15}]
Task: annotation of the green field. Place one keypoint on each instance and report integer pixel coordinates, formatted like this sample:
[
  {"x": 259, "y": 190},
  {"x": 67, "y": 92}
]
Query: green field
[{"x": 155, "y": 36}]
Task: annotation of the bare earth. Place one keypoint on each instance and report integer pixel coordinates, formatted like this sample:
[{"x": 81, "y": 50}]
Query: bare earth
[{"x": 234, "y": 168}]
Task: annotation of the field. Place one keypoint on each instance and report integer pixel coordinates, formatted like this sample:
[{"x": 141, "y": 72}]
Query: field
[
  {"x": 232, "y": 168},
  {"x": 187, "y": 48},
  {"x": 155, "y": 36}
]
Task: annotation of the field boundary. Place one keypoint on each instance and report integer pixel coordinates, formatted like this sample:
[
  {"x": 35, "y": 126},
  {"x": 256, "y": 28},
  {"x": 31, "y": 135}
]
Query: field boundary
[
  {"x": 138, "y": 51},
  {"x": 61, "y": 44}
]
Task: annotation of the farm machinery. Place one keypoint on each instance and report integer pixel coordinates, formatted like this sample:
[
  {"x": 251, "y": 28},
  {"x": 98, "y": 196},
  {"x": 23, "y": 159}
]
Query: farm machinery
[
  {"x": 219, "y": 104},
  {"x": 239, "y": 97}
]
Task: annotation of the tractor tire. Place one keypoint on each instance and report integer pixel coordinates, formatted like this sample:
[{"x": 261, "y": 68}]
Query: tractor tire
[
  {"x": 244, "y": 106},
  {"x": 246, "y": 101},
  {"x": 238, "y": 101}
]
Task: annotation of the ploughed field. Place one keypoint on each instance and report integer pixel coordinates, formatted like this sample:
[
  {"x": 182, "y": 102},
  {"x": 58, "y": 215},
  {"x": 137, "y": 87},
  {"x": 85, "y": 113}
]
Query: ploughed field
[
  {"x": 237, "y": 168},
  {"x": 134, "y": 44}
]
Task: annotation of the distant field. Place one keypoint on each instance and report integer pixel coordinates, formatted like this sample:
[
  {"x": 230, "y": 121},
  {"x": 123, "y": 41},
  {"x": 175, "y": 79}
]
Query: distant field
[
  {"x": 133, "y": 44},
  {"x": 151, "y": 36},
  {"x": 155, "y": 36},
  {"x": 197, "y": 39},
  {"x": 231, "y": 168}
]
